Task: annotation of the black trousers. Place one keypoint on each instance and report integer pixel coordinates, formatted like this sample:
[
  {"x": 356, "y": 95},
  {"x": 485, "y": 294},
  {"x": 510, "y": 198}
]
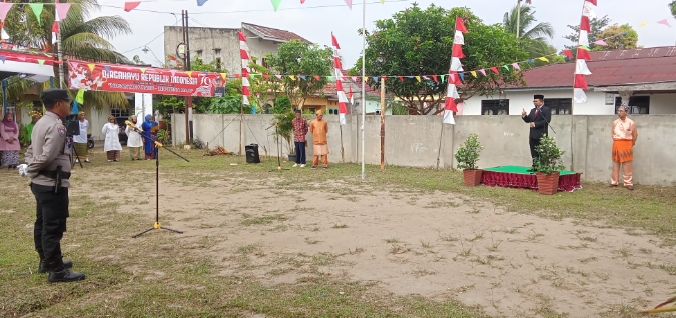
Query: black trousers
[
  {"x": 300, "y": 152},
  {"x": 534, "y": 142},
  {"x": 50, "y": 221}
]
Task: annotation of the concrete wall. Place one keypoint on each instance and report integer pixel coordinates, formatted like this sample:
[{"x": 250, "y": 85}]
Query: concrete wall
[
  {"x": 414, "y": 141},
  {"x": 596, "y": 105}
]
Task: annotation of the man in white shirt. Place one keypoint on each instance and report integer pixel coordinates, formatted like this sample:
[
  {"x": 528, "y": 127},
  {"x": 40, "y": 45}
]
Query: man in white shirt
[{"x": 81, "y": 139}]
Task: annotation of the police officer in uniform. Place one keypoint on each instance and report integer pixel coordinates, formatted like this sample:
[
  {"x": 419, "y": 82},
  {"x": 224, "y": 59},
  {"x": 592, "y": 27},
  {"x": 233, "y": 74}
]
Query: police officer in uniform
[{"x": 48, "y": 161}]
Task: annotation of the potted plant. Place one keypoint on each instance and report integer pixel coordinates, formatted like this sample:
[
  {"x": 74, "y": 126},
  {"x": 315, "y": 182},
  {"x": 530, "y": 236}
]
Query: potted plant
[
  {"x": 548, "y": 165},
  {"x": 467, "y": 157},
  {"x": 285, "y": 130}
]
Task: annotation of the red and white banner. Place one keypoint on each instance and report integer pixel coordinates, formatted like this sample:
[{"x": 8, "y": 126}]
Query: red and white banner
[
  {"x": 133, "y": 79},
  {"x": 454, "y": 72}
]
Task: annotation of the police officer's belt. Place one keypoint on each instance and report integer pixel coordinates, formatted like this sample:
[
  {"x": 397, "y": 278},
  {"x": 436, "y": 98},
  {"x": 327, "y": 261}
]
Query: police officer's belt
[{"x": 52, "y": 174}]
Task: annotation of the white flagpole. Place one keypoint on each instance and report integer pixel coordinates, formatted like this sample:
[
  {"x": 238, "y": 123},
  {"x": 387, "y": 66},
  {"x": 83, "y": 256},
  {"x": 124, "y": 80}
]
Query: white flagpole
[{"x": 363, "y": 93}]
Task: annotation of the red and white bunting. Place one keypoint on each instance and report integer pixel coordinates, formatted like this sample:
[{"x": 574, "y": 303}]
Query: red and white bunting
[
  {"x": 456, "y": 66},
  {"x": 338, "y": 75},
  {"x": 244, "y": 54},
  {"x": 583, "y": 55}
]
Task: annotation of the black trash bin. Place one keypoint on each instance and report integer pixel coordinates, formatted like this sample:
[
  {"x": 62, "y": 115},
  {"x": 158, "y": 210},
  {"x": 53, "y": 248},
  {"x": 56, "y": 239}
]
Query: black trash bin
[{"x": 252, "y": 153}]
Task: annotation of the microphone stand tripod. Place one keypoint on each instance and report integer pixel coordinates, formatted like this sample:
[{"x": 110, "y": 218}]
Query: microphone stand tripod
[
  {"x": 157, "y": 224},
  {"x": 279, "y": 160}
]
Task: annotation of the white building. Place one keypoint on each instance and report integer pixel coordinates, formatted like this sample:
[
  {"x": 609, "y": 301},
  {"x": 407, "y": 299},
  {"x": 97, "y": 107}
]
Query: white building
[{"x": 643, "y": 78}]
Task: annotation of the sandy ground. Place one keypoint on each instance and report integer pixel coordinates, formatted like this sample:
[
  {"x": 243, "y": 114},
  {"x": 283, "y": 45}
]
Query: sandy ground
[{"x": 438, "y": 246}]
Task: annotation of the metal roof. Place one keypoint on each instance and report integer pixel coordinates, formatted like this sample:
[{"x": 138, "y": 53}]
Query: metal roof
[
  {"x": 271, "y": 34},
  {"x": 617, "y": 67}
]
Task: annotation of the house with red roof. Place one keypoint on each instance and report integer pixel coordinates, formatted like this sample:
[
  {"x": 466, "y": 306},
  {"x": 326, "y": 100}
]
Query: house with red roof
[{"x": 643, "y": 78}]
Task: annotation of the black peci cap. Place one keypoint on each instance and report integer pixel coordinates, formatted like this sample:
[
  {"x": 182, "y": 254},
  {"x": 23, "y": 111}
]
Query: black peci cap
[
  {"x": 540, "y": 97},
  {"x": 54, "y": 94}
]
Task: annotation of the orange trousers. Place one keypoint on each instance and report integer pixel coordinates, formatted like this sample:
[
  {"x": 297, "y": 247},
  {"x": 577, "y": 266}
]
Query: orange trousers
[
  {"x": 627, "y": 173},
  {"x": 325, "y": 160}
]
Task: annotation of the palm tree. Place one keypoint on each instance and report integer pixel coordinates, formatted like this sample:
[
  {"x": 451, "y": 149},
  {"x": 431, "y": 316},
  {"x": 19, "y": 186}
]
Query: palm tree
[
  {"x": 672, "y": 7},
  {"x": 535, "y": 36},
  {"x": 80, "y": 39}
]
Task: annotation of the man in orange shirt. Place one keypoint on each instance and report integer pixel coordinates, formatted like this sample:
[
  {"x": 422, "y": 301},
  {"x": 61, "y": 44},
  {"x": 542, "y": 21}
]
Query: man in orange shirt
[
  {"x": 319, "y": 128},
  {"x": 624, "y": 134}
]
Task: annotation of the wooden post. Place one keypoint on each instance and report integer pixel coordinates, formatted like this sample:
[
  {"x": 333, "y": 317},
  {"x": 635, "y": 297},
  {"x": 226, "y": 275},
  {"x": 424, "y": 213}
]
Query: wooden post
[
  {"x": 382, "y": 123},
  {"x": 342, "y": 147}
]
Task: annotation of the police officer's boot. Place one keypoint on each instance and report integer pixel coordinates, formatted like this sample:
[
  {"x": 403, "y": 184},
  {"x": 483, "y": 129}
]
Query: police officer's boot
[
  {"x": 43, "y": 268},
  {"x": 59, "y": 273}
]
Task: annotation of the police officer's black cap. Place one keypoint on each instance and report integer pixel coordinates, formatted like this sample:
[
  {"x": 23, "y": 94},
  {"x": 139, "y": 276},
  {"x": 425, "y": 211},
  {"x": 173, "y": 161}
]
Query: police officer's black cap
[{"x": 55, "y": 94}]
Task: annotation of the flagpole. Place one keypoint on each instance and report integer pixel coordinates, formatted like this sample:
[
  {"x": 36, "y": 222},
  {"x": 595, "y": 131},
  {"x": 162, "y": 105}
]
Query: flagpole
[{"x": 363, "y": 93}]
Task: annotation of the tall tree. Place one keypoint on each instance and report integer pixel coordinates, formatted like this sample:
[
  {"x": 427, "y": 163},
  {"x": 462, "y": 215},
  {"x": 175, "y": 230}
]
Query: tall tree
[
  {"x": 618, "y": 37},
  {"x": 533, "y": 35},
  {"x": 672, "y": 8},
  {"x": 417, "y": 42},
  {"x": 80, "y": 38},
  {"x": 297, "y": 59}
]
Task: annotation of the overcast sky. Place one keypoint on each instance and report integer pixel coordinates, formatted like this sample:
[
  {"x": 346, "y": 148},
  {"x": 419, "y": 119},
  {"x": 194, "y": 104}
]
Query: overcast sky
[{"x": 316, "y": 19}]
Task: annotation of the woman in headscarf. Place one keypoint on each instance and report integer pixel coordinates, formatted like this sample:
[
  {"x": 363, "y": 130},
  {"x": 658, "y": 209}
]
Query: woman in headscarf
[
  {"x": 148, "y": 143},
  {"x": 134, "y": 140},
  {"x": 9, "y": 141},
  {"x": 28, "y": 129},
  {"x": 112, "y": 144},
  {"x": 81, "y": 139}
]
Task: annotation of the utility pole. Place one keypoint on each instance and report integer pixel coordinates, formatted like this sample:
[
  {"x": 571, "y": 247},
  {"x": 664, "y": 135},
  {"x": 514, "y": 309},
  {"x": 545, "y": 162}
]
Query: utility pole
[
  {"x": 382, "y": 123},
  {"x": 186, "y": 63}
]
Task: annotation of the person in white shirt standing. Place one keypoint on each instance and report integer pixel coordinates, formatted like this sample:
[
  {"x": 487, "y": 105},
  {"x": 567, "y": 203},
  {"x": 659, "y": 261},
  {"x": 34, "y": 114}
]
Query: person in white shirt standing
[
  {"x": 81, "y": 139},
  {"x": 112, "y": 145},
  {"x": 134, "y": 141}
]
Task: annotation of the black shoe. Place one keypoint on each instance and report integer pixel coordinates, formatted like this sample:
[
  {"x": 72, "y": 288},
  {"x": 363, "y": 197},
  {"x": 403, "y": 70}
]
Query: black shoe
[
  {"x": 43, "y": 268},
  {"x": 64, "y": 276}
]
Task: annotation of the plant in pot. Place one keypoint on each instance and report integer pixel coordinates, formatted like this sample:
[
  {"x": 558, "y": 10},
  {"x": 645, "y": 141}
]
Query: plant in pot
[
  {"x": 548, "y": 165},
  {"x": 467, "y": 157}
]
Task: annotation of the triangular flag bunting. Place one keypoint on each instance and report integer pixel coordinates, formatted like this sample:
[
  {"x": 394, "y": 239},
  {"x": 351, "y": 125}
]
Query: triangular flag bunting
[
  {"x": 665, "y": 22},
  {"x": 516, "y": 66},
  {"x": 266, "y": 76},
  {"x": 278, "y": 76},
  {"x": 41, "y": 62},
  {"x": 473, "y": 73},
  {"x": 4, "y": 8},
  {"x": 349, "y": 3},
  {"x": 187, "y": 72},
  {"x": 544, "y": 59},
  {"x": 37, "y": 9},
  {"x": 495, "y": 70},
  {"x": 293, "y": 78},
  {"x": 223, "y": 75},
  {"x": 316, "y": 77},
  {"x": 107, "y": 68},
  {"x": 601, "y": 42},
  {"x": 568, "y": 53},
  {"x": 91, "y": 67},
  {"x": 506, "y": 67},
  {"x": 143, "y": 70},
  {"x": 418, "y": 78},
  {"x": 275, "y": 4},
  {"x": 128, "y": 6},
  {"x": 62, "y": 10},
  {"x": 201, "y": 2}
]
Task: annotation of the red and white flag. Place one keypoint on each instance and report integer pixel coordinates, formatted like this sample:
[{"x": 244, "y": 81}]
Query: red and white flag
[
  {"x": 244, "y": 55},
  {"x": 338, "y": 75},
  {"x": 456, "y": 66},
  {"x": 351, "y": 96},
  {"x": 583, "y": 55}
]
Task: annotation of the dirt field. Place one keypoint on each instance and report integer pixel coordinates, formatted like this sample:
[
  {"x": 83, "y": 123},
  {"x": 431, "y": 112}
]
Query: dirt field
[
  {"x": 439, "y": 245},
  {"x": 294, "y": 227}
]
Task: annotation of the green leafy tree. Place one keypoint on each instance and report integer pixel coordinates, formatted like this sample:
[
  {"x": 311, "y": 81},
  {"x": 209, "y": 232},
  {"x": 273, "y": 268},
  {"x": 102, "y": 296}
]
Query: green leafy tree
[
  {"x": 229, "y": 104},
  {"x": 468, "y": 154},
  {"x": 627, "y": 40},
  {"x": 80, "y": 39},
  {"x": 597, "y": 25},
  {"x": 419, "y": 42},
  {"x": 300, "y": 58},
  {"x": 263, "y": 91},
  {"x": 672, "y": 8},
  {"x": 535, "y": 37}
]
